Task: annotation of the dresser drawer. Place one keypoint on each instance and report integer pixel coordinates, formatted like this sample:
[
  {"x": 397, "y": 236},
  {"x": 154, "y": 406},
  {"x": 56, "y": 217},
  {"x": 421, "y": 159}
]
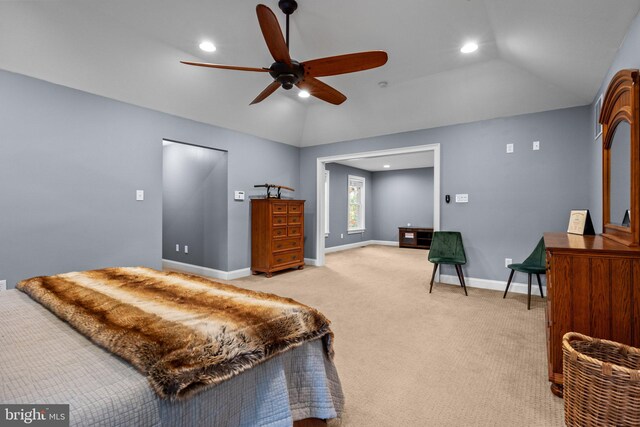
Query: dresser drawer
[
  {"x": 294, "y": 230},
  {"x": 282, "y": 258},
  {"x": 279, "y": 208},
  {"x": 279, "y": 245},
  {"x": 295, "y": 218},
  {"x": 295, "y": 208},
  {"x": 279, "y": 232},
  {"x": 279, "y": 220}
]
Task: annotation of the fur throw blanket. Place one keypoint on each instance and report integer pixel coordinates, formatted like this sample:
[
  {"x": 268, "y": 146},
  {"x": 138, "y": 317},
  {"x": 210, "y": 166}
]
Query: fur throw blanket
[{"x": 184, "y": 332}]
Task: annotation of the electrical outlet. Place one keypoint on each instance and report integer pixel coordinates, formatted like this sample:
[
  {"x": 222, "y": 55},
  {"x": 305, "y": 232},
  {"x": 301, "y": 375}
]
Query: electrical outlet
[
  {"x": 408, "y": 224},
  {"x": 139, "y": 195},
  {"x": 507, "y": 261},
  {"x": 177, "y": 248},
  {"x": 536, "y": 145},
  {"x": 3, "y": 285},
  {"x": 186, "y": 249},
  {"x": 509, "y": 148},
  {"x": 341, "y": 235}
]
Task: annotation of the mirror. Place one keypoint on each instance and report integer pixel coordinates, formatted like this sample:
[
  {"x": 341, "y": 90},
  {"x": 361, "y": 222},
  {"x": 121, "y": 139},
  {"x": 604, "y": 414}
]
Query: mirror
[
  {"x": 620, "y": 119},
  {"x": 620, "y": 175}
]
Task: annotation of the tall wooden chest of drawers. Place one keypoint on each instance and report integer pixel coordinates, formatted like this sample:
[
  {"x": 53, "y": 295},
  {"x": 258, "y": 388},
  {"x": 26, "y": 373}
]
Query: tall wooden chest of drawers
[{"x": 277, "y": 235}]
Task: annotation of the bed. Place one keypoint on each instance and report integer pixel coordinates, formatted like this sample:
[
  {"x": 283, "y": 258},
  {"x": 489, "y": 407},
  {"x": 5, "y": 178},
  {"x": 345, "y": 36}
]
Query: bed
[{"x": 45, "y": 360}]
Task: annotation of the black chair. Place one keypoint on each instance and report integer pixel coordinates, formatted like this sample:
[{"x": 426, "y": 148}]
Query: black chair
[
  {"x": 534, "y": 264},
  {"x": 446, "y": 248}
]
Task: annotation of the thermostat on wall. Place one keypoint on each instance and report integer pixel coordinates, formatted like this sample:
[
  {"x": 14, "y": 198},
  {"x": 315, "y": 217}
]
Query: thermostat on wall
[{"x": 238, "y": 195}]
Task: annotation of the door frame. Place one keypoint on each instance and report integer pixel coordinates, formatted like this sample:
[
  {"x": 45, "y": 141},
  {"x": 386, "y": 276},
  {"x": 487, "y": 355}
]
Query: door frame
[{"x": 320, "y": 168}]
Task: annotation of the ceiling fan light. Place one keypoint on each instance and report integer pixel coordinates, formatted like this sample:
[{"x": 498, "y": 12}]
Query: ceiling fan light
[
  {"x": 207, "y": 46},
  {"x": 304, "y": 94},
  {"x": 469, "y": 47}
]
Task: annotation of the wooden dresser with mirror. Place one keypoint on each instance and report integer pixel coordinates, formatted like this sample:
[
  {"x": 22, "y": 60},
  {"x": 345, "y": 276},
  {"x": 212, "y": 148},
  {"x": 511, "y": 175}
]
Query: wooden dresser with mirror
[{"x": 593, "y": 282}]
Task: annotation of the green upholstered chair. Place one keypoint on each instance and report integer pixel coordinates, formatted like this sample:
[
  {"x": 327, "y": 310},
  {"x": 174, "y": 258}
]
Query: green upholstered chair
[
  {"x": 534, "y": 264},
  {"x": 446, "y": 248}
]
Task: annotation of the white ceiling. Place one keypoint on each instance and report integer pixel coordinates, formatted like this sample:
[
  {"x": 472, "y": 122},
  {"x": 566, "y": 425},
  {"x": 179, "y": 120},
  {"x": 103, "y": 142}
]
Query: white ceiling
[
  {"x": 534, "y": 55},
  {"x": 396, "y": 162}
]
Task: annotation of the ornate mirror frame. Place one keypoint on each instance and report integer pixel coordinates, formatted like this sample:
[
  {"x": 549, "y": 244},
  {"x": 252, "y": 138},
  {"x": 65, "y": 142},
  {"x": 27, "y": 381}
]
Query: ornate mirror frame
[{"x": 621, "y": 103}]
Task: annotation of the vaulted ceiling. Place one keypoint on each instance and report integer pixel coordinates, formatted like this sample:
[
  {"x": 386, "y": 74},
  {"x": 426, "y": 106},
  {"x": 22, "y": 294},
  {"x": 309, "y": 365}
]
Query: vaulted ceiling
[{"x": 534, "y": 55}]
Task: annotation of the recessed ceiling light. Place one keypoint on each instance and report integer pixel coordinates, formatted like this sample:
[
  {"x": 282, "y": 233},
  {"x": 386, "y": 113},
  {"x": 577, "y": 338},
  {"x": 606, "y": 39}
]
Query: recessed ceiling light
[
  {"x": 386, "y": 166},
  {"x": 304, "y": 94},
  {"x": 208, "y": 46},
  {"x": 469, "y": 47}
]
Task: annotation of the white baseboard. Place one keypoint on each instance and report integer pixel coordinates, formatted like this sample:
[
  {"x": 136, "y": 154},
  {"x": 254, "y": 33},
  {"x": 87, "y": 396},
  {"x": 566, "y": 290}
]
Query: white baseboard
[
  {"x": 359, "y": 245},
  {"x": 496, "y": 285},
  {"x": 311, "y": 261},
  {"x": 205, "y": 271}
]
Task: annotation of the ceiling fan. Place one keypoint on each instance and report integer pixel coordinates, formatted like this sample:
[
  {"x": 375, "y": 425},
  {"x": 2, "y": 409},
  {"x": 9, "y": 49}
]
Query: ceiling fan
[{"x": 286, "y": 72}]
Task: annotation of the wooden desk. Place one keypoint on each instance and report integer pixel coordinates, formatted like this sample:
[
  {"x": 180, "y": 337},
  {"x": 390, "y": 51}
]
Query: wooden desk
[{"x": 593, "y": 287}]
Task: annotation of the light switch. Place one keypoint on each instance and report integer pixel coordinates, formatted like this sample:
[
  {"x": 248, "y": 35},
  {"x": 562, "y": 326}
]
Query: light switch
[
  {"x": 238, "y": 195},
  {"x": 536, "y": 145},
  {"x": 139, "y": 195},
  {"x": 462, "y": 198},
  {"x": 509, "y": 148},
  {"x": 186, "y": 249}
]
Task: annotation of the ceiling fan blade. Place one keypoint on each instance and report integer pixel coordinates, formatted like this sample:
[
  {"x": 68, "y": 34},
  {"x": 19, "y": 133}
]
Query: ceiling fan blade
[
  {"x": 226, "y": 67},
  {"x": 342, "y": 64},
  {"x": 273, "y": 34},
  {"x": 321, "y": 90},
  {"x": 268, "y": 91}
]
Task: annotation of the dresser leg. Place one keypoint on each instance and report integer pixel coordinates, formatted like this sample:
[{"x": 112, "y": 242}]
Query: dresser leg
[
  {"x": 557, "y": 390},
  {"x": 269, "y": 275},
  {"x": 301, "y": 267}
]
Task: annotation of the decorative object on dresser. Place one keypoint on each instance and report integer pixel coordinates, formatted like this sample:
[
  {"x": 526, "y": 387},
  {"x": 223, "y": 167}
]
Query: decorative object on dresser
[
  {"x": 279, "y": 189},
  {"x": 277, "y": 235},
  {"x": 415, "y": 237},
  {"x": 580, "y": 222}
]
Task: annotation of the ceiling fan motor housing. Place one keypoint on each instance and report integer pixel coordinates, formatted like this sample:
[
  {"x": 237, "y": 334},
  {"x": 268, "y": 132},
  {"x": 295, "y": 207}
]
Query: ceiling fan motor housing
[
  {"x": 285, "y": 75},
  {"x": 288, "y": 6}
]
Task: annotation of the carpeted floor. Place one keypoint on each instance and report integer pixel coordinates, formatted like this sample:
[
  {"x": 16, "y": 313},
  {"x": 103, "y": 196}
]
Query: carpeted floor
[{"x": 410, "y": 358}]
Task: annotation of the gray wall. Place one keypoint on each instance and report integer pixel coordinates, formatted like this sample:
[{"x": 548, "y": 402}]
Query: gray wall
[
  {"x": 70, "y": 164},
  {"x": 401, "y": 197},
  {"x": 628, "y": 56},
  {"x": 338, "y": 187},
  {"x": 513, "y": 198},
  {"x": 194, "y": 205}
]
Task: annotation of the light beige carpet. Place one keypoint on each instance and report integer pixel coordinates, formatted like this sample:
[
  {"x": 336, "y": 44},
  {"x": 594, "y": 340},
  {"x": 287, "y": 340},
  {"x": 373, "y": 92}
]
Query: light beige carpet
[{"x": 410, "y": 358}]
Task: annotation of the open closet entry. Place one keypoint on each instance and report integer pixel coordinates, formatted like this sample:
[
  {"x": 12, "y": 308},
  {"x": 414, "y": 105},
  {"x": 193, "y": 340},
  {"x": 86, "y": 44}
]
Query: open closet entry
[{"x": 194, "y": 206}]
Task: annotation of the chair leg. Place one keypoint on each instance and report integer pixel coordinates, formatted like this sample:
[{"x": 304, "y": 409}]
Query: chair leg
[
  {"x": 435, "y": 268},
  {"x": 458, "y": 273},
  {"x": 461, "y": 277},
  {"x": 529, "y": 297},
  {"x": 508, "y": 283},
  {"x": 540, "y": 285}
]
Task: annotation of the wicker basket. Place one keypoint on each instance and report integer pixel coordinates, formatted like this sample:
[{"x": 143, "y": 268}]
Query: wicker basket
[{"x": 601, "y": 382}]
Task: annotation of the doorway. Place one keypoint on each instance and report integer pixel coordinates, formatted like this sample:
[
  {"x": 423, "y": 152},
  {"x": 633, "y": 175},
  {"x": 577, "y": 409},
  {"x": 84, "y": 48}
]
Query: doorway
[
  {"x": 194, "y": 206},
  {"x": 321, "y": 179}
]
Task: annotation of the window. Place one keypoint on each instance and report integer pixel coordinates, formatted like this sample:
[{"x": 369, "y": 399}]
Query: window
[
  {"x": 356, "y": 204},
  {"x": 327, "y": 185}
]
